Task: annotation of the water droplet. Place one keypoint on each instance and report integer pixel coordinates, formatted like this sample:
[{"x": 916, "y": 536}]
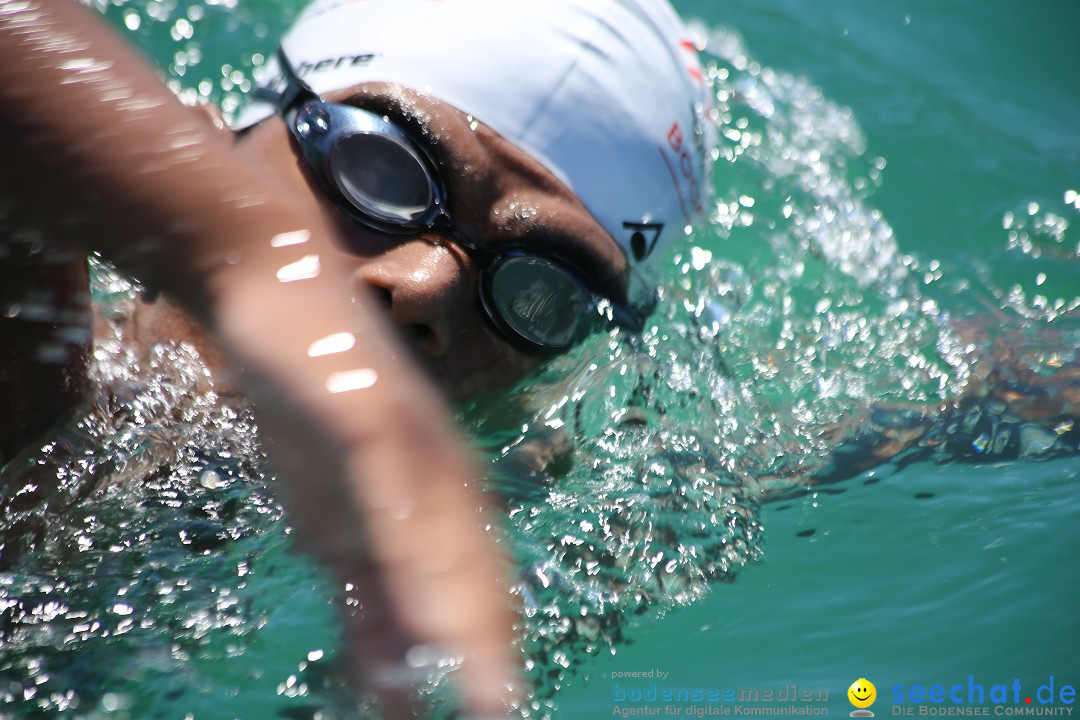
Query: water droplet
[
  {"x": 182, "y": 30},
  {"x": 700, "y": 258},
  {"x": 210, "y": 480},
  {"x": 310, "y": 120}
]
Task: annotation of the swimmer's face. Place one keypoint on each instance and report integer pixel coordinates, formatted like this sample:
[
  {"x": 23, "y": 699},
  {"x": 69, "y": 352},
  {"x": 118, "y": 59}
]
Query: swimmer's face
[{"x": 497, "y": 195}]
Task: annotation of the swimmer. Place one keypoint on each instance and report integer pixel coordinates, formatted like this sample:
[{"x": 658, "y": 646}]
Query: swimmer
[
  {"x": 495, "y": 236},
  {"x": 504, "y": 236}
]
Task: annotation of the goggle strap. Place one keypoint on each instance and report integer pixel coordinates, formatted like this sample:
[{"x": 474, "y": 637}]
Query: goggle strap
[{"x": 296, "y": 90}]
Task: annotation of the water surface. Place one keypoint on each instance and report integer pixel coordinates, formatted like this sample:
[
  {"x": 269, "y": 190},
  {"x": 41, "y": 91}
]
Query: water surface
[{"x": 884, "y": 172}]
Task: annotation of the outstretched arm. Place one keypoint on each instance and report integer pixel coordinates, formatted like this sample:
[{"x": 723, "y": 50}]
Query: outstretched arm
[
  {"x": 1009, "y": 412},
  {"x": 99, "y": 153}
]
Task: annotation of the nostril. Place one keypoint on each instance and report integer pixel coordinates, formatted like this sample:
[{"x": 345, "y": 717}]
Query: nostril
[
  {"x": 400, "y": 307},
  {"x": 420, "y": 292},
  {"x": 423, "y": 336},
  {"x": 383, "y": 296}
]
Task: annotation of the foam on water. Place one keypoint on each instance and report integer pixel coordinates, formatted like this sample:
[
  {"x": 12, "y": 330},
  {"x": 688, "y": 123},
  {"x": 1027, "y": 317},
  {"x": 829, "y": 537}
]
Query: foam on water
[{"x": 132, "y": 541}]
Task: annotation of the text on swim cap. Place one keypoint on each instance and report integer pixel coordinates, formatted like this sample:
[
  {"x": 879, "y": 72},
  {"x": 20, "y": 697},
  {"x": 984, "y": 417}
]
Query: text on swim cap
[
  {"x": 683, "y": 173},
  {"x": 333, "y": 63}
]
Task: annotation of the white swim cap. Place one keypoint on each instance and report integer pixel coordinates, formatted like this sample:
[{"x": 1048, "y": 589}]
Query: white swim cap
[{"x": 607, "y": 94}]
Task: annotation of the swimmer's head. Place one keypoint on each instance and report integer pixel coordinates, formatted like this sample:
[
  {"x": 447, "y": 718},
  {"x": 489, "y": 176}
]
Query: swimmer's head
[{"x": 607, "y": 95}]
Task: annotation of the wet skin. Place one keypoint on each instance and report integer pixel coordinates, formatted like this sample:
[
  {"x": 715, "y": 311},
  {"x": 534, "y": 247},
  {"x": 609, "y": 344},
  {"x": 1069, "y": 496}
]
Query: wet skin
[{"x": 497, "y": 194}]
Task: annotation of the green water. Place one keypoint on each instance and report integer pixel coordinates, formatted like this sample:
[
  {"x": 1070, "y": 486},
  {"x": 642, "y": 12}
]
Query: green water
[
  {"x": 973, "y": 106},
  {"x": 885, "y": 170}
]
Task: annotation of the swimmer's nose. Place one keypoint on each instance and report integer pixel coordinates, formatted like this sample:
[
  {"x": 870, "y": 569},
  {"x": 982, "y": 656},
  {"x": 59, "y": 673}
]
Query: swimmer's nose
[{"x": 426, "y": 290}]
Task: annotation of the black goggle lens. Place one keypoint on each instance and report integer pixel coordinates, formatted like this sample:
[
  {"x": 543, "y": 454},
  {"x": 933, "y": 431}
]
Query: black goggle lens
[
  {"x": 540, "y": 302},
  {"x": 383, "y": 178}
]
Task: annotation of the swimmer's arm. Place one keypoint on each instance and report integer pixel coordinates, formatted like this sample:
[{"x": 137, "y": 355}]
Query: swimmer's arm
[
  {"x": 376, "y": 481},
  {"x": 1008, "y": 413}
]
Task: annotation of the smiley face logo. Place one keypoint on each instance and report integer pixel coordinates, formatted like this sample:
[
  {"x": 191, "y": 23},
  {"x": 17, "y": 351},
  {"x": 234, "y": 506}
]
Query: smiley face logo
[{"x": 862, "y": 693}]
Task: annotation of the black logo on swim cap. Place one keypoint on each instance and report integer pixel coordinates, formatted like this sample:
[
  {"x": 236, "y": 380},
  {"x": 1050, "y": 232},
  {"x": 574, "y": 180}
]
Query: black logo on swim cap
[
  {"x": 278, "y": 82},
  {"x": 643, "y": 241}
]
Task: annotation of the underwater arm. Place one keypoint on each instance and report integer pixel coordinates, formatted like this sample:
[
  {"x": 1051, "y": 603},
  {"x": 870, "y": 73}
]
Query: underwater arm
[
  {"x": 100, "y": 154},
  {"x": 1010, "y": 412}
]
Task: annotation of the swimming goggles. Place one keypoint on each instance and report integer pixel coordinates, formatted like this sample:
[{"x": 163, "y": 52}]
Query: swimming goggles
[{"x": 384, "y": 180}]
